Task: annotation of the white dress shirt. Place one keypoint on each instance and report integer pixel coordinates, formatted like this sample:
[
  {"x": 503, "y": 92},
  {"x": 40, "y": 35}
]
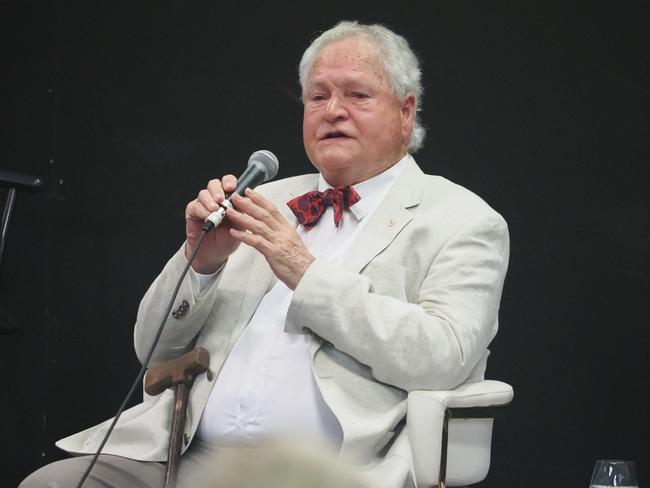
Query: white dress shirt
[{"x": 266, "y": 387}]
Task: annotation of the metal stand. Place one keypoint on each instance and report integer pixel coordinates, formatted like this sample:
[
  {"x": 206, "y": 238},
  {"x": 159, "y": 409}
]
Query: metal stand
[
  {"x": 6, "y": 217},
  {"x": 13, "y": 181}
]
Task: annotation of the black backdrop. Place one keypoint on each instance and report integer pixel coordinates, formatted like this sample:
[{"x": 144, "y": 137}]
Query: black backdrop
[{"x": 127, "y": 110}]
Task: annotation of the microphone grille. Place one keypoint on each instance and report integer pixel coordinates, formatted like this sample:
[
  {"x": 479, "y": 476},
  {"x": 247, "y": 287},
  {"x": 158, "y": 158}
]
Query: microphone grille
[{"x": 266, "y": 161}]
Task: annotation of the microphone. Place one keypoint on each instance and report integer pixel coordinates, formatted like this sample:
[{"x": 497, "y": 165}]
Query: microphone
[{"x": 262, "y": 166}]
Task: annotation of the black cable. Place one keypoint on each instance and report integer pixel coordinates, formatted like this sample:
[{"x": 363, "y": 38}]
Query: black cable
[{"x": 145, "y": 363}]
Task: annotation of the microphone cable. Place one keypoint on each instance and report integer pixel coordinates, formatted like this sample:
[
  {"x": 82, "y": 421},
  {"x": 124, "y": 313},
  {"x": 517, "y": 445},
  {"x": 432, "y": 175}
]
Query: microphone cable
[
  {"x": 138, "y": 380},
  {"x": 262, "y": 166}
]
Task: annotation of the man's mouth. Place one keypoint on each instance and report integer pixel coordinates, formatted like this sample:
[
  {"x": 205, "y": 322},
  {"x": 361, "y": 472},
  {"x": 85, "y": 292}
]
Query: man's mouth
[{"x": 335, "y": 135}]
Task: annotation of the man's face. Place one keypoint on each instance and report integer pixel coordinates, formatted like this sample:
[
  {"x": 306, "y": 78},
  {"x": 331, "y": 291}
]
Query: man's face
[{"x": 353, "y": 125}]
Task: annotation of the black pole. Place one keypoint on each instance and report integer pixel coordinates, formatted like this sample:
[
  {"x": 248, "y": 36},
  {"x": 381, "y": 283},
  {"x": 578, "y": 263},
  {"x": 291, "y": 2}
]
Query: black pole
[
  {"x": 6, "y": 217},
  {"x": 13, "y": 181}
]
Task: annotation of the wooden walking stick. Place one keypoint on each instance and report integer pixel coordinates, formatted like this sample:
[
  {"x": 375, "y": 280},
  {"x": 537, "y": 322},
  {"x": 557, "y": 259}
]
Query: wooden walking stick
[{"x": 179, "y": 373}]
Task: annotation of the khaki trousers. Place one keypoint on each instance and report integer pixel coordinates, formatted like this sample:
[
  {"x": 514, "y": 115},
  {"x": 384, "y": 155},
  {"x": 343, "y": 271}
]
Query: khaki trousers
[
  {"x": 203, "y": 466},
  {"x": 118, "y": 472}
]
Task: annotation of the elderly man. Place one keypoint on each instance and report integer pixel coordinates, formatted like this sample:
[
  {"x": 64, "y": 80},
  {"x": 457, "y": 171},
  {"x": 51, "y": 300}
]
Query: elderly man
[{"x": 317, "y": 329}]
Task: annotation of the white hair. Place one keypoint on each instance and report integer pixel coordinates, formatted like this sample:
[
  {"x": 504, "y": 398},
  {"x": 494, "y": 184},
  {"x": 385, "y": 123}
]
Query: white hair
[{"x": 400, "y": 64}]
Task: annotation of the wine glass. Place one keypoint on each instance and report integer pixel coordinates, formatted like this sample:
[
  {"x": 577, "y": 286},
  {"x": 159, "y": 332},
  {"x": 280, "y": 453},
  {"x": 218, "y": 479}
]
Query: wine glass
[{"x": 614, "y": 472}]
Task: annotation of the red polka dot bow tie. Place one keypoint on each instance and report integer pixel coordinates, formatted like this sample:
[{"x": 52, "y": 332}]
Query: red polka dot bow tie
[{"x": 309, "y": 207}]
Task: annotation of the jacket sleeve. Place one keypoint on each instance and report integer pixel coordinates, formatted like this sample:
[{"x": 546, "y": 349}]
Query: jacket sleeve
[
  {"x": 188, "y": 314},
  {"x": 432, "y": 343}
]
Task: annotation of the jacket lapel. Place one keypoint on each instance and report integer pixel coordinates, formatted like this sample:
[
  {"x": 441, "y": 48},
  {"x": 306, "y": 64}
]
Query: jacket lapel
[{"x": 388, "y": 219}]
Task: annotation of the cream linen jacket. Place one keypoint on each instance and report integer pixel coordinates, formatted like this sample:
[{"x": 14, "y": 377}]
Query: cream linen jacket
[{"x": 413, "y": 307}]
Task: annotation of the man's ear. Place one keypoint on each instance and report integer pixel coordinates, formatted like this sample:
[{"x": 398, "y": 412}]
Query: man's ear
[{"x": 407, "y": 111}]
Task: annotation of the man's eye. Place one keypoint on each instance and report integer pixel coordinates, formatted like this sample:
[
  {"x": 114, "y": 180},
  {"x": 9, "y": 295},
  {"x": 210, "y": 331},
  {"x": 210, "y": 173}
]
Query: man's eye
[
  {"x": 360, "y": 95},
  {"x": 317, "y": 97}
]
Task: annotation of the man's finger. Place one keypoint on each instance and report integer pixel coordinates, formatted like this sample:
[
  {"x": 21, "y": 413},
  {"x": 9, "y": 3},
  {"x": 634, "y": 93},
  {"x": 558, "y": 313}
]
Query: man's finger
[
  {"x": 196, "y": 211},
  {"x": 208, "y": 201},
  {"x": 216, "y": 190},
  {"x": 247, "y": 206},
  {"x": 253, "y": 240},
  {"x": 262, "y": 202},
  {"x": 259, "y": 207},
  {"x": 229, "y": 183},
  {"x": 247, "y": 237},
  {"x": 244, "y": 221}
]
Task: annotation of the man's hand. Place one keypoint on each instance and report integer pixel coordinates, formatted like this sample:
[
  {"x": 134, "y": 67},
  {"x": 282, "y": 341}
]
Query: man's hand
[
  {"x": 218, "y": 244},
  {"x": 258, "y": 223}
]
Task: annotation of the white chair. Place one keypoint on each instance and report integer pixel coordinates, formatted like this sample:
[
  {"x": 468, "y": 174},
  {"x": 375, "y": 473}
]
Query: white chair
[{"x": 450, "y": 432}]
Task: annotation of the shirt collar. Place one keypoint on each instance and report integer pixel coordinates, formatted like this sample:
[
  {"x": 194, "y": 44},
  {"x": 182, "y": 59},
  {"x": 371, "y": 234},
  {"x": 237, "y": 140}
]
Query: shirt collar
[{"x": 371, "y": 190}]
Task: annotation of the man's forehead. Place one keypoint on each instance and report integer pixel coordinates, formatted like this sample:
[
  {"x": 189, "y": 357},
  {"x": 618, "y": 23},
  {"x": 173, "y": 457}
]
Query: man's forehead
[
  {"x": 356, "y": 55},
  {"x": 351, "y": 49}
]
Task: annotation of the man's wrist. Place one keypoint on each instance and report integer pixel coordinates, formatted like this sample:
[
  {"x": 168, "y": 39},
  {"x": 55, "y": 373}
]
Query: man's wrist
[{"x": 204, "y": 267}]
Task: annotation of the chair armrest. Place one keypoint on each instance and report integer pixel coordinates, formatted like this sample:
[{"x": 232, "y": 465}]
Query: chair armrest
[
  {"x": 427, "y": 416},
  {"x": 485, "y": 393}
]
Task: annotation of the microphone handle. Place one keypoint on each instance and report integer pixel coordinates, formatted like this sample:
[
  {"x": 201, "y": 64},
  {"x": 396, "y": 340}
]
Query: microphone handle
[
  {"x": 252, "y": 177},
  {"x": 215, "y": 218}
]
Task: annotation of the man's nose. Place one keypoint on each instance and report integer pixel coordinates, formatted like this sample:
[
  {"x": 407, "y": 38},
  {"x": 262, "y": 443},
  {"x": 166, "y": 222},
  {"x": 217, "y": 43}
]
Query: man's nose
[{"x": 335, "y": 108}]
